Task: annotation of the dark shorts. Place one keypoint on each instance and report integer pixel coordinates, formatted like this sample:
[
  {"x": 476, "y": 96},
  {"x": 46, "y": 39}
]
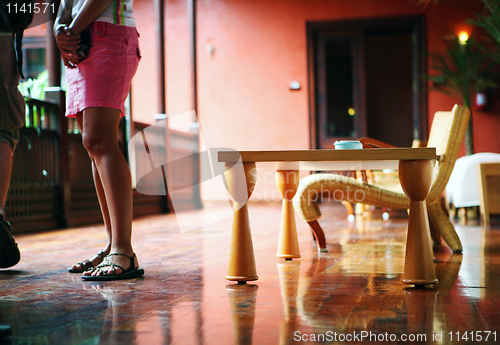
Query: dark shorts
[{"x": 12, "y": 107}]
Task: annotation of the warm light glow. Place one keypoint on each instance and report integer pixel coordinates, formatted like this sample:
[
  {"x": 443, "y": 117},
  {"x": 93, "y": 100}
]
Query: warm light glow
[
  {"x": 351, "y": 111},
  {"x": 463, "y": 37}
]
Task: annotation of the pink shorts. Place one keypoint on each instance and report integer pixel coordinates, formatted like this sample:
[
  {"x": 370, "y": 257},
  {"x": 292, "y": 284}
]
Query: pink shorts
[{"x": 103, "y": 77}]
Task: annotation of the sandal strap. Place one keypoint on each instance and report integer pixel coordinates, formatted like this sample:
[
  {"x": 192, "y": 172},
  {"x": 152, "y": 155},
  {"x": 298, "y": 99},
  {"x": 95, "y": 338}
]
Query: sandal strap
[
  {"x": 107, "y": 263},
  {"x": 86, "y": 264},
  {"x": 121, "y": 254},
  {"x": 101, "y": 254}
]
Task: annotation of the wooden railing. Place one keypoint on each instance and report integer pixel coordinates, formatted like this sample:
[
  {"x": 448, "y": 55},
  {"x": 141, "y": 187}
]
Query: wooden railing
[
  {"x": 34, "y": 193},
  {"x": 148, "y": 202},
  {"x": 185, "y": 178},
  {"x": 51, "y": 182}
]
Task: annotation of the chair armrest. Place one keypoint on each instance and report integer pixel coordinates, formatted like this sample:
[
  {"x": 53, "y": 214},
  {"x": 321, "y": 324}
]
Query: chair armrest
[{"x": 374, "y": 143}]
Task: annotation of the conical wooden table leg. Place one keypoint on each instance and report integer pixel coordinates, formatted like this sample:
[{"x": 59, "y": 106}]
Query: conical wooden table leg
[
  {"x": 240, "y": 183},
  {"x": 287, "y": 182},
  {"x": 416, "y": 180}
]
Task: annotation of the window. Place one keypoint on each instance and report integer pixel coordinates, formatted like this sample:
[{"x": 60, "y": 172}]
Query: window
[{"x": 33, "y": 56}]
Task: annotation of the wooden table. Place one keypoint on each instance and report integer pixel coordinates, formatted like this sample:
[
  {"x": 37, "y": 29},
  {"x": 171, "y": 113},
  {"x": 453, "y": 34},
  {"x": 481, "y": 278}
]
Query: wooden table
[{"x": 415, "y": 169}]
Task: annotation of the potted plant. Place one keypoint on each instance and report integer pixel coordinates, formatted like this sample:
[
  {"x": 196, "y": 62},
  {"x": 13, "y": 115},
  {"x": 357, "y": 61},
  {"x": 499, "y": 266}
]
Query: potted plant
[
  {"x": 462, "y": 70},
  {"x": 465, "y": 67},
  {"x": 490, "y": 22}
]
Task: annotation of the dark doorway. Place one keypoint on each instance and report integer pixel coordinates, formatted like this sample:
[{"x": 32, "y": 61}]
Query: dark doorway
[
  {"x": 339, "y": 87},
  {"x": 389, "y": 86},
  {"x": 366, "y": 81}
]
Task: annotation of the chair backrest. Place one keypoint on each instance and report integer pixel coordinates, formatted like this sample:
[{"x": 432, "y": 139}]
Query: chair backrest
[{"x": 446, "y": 135}]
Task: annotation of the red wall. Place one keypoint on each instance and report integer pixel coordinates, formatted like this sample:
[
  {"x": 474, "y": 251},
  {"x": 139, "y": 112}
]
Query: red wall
[
  {"x": 144, "y": 88},
  {"x": 244, "y": 101},
  {"x": 259, "y": 47},
  {"x": 486, "y": 124}
]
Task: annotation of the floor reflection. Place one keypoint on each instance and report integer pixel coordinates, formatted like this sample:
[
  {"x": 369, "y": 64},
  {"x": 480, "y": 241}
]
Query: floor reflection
[
  {"x": 289, "y": 274},
  {"x": 119, "y": 325},
  {"x": 184, "y": 299},
  {"x": 242, "y": 299},
  {"x": 420, "y": 305},
  {"x": 334, "y": 298}
]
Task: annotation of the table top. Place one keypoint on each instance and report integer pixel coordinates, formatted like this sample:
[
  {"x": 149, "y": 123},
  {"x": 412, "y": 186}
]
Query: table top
[{"x": 378, "y": 158}]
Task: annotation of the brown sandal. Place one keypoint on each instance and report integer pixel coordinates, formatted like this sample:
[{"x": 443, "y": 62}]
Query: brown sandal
[{"x": 87, "y": 264}]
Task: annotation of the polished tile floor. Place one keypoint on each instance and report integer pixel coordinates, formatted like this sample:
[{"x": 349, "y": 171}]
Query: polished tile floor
[{"x": 353, "y": 292}]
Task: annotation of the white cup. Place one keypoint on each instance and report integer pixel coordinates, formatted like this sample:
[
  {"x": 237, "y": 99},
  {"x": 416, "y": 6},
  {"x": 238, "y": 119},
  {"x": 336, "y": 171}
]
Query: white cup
[{"x": 348, "y": 145}]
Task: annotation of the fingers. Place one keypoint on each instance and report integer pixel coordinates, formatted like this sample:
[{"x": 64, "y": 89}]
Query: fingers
[
  {"x": 73, "y": 59},
  {"x": 68, "y": 45},
  {"x": 67, "y": 63},
  {"x": 68, "y": 31},
  {"x": 67, "y": 42},
  {"x": 66, "y": 36},
  {"x": 65, "y": 33},
  {"x": 71, "y": 54}
]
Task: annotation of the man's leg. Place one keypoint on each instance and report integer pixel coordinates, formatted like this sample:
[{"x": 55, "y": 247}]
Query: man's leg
[
  {"x": 9, "y": 252},
  {"x": 5, "y": 169},
  {"x": 11, "y": 119}
]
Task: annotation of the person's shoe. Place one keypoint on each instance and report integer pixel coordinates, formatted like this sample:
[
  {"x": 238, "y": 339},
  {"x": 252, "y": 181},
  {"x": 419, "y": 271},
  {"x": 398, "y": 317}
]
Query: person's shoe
[
  {"x": 5, "y": 331},
  {"x": 9, "y": 251}
]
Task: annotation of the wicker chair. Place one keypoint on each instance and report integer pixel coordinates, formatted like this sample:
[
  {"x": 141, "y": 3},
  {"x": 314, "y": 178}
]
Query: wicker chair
[{"x": 446, "y": 135}]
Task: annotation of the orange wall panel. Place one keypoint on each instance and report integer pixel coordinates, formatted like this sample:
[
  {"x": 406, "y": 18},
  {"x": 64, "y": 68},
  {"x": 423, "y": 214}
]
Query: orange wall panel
[
  {"x": 144, "y": 84},
  {"x": 249, "y": 51}
]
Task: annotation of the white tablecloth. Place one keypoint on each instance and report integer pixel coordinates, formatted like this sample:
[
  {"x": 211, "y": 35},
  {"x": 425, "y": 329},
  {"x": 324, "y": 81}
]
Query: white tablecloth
[{"x": 463, "y": 187}]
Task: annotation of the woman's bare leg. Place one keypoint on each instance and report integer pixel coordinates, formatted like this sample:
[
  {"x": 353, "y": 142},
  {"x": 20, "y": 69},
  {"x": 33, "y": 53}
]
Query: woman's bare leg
[
  {"x": 101, "y": 196},
  {"x": 96, "y": 259},
  {"x": 100, "y": 138}
]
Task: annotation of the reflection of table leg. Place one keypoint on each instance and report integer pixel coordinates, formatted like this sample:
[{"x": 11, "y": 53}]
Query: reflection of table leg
[
  {"x": 287, "y": 182},
  {"x": 289, "y": 273},
  {"x": 420, "y": 309},
  {"x": 242, "y": 301},
  {"x": 416, "y": 180},
  {"x": 241, "y": 256}
]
